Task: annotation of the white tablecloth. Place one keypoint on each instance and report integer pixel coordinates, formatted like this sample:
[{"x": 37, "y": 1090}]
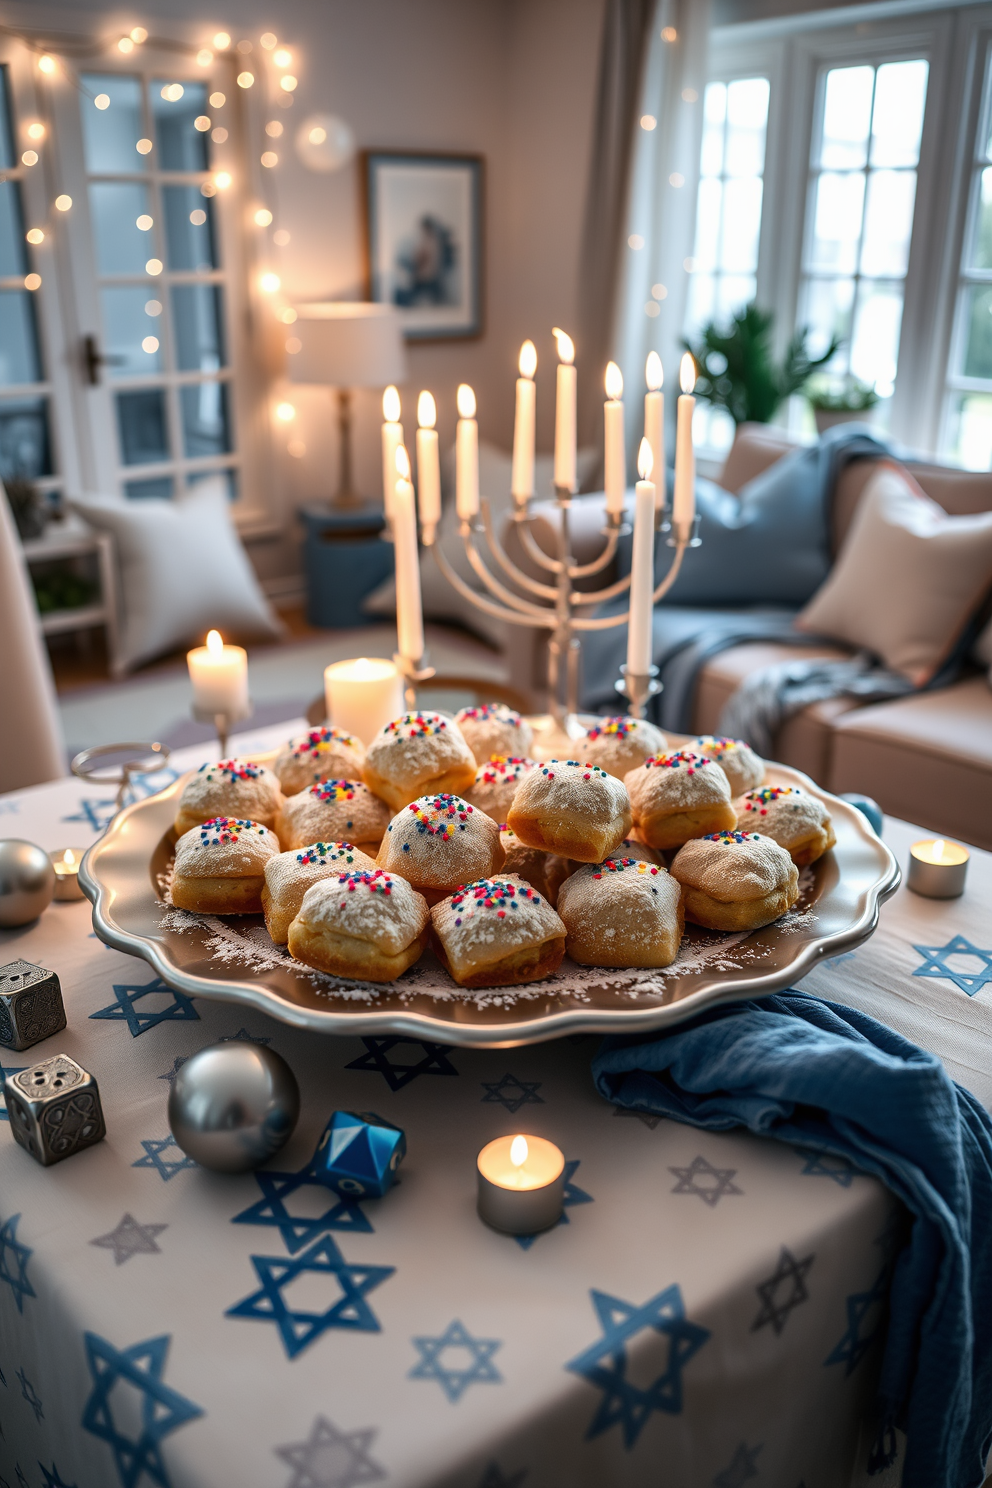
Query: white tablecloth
[{"x": 708, "y": 1313}]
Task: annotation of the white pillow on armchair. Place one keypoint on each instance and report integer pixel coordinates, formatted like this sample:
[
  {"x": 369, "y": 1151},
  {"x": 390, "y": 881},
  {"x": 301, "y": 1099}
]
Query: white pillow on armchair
[{"x": 183, "y": 571}]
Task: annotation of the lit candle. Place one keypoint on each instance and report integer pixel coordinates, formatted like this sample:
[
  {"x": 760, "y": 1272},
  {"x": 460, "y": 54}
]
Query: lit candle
[
  {"x": 684, "y": 500},
  {"x": 66, "y": 863},
  {"x": 466, "y": 455},
  {"x": 654, "y": 424},
  {"x": 428, "y": 468},
  {"x": 565, "y": 416},
  {"x": 392, "y": 436},
  {"x": 219, "y": 675},
  {"x": 524, "y": 426},
  {"x": 521, "y": 1184},
  {"x": 937, "y": 869},
  {"x": 409, "y": 614},
  {"x": 640, "y": 634},
  {"x": 614, "y": 459},
  {"x": 363, "y": 695}
]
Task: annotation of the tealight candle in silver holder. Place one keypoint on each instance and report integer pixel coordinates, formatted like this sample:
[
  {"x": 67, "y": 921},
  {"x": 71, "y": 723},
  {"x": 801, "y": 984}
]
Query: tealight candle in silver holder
[
  {"x": 937, "y": 869},
  {"x": 521, "y": 1184},
  {"x": 66, "y": 861}
]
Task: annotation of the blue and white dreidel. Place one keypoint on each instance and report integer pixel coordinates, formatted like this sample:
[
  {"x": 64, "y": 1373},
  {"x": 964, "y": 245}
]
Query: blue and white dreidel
[{"x": 358, "y": 1154}]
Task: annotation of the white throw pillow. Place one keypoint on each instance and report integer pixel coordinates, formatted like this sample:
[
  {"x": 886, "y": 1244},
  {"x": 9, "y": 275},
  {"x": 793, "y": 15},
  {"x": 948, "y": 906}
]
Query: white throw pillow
[
  {"x": 907, "y": 579},
  {"x": 183, "y": 571}
]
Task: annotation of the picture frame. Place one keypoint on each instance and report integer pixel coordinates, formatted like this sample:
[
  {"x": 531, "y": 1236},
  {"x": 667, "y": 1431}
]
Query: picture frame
[{"x": 424, "y": 224}]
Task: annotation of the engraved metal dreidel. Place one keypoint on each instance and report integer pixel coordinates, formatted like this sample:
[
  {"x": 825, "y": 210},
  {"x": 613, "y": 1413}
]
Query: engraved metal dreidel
[
  {"x": 54, "y": 1109},
  {"x": 358, "y": 1154},
  {"x": 31, "y": 1007}
]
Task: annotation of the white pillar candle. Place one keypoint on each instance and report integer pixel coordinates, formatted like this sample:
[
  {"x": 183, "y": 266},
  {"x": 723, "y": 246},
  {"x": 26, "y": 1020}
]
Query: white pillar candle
[
  {"x": 219, "y": 675},
  {"x": 565, "y": 414},
  {"x": 654, "y": 424},
  {"x": 409, "y": 613},
  {"x": 684, "y": 499},
  {"x": 640, "y": 625},
  {"x": 392, "y": 438},
  {"x": 524, "y": 427},
  {"x": 428, "y": 468},
  {"x": 521, "y": 1184},
  {"x": 466, "y": 456},
  {"x": 362, "y": 696},
  {"x": 614, "y": 458}
]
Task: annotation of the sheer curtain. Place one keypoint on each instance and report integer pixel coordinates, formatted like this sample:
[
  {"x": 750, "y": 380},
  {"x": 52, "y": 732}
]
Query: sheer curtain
[{"x": 31, "y": 746}]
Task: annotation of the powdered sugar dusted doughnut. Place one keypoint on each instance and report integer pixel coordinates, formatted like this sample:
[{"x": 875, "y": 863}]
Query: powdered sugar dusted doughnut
[
  {"x": 288, "y": 876},
  {"x": 544, "y": 871},
  {"x": 496, "y": 783},
  {"x": 417, "y": 755},
  {"x": 334, "y": 811},
  {"x": 630, "y": 847},
  {"x": 323, "y": 754},
  {"x": 220, "y": 866},
  {"x": 493, "y": 728},
  {"x": 624, "y": 912},
  {"x": 440, "y": 842},
  {"x": 791, "y": 817},
  {"x": 621, "y": 744},
  {"x": 574, "y": 809},
  {"x": 677, "y": 796},
  {"x": 743, "y": 768},
  {"x": 236, "y": 788},
  {"x": 736, "y": 880},
  {"x": 361, "y": 924},
  {"x": 498, "y": 932}
]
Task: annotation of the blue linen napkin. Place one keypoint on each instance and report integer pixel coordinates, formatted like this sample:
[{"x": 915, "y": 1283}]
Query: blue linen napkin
[{"x": 816, "y": 1074}]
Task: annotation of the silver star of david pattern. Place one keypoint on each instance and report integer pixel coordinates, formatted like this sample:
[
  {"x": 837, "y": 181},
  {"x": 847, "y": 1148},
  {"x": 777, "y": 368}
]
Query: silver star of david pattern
[
  {"x": 775, "y": 1307},
  {"x": 705, "y": 1181},
  {"x": 513, "y": 1093},
  {"x": 935, "y": 959},
  {"x": 862, "y": 1306},
  {"x": 604, "y": 1364},
  {"x": 340, "y": 1214},
  {"x": 494, "y": 1477},
  {"x": 179, "y": 1010},
  {"x": 433, "y": 1061},
  {"x": 14, "y": 1259},
  {"x": 30, "y": 1394},
  {"x": 572, "y": 1195},
  {"x": 163, "y": 1409},
  {"x": 330, "y": 1458},
  {"x": 454, "y": 1382},
  {"x": 828, "y": 1165},
  {"x": 166, "y": 1168},
  {"x": 5, "y": 1070},
  {"x": 644, "y": 1117},
  {"x": 741, "y": 1467},
  {"x": 130, "y": 1239}
]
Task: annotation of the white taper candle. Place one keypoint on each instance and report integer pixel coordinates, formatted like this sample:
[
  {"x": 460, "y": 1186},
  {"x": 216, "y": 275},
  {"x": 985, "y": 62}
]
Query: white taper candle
[
  {"x": 614, "y": 456},
  {"x": 684, "y": 499},
  {"x": 640, "y": 624},
  {"x": 409, "y": 613},
  {"x": 565, "y": 414},
  {"x": 466, "y": 456},
  {"x": 654, "y": 425},
  {"x": 524, "y": 426}
]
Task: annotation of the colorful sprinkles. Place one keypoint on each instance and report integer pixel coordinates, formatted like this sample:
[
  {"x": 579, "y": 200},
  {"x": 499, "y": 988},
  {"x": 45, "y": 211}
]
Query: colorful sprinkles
[
  {"x": 617, "y": 728},
  {"x": 376, "y": 881},
  {"x": 496, "y": 894},
  {"x": 440, "y": 816},
  {"x": 760, "y": 800},
  {"x": 232, "y": 769},
  {"x": 717, "y": 745},
  {"x": 416, "y": 725},
  {"x": 323, "y": 853},
  {"x": 589, "y": 772},
  {"x": 729, "y": 837},
  {"x": 618, "y": 865},
  {"x": 680, "y": 760},
  {"x": 502, "y": 767},
  {"x": 334, "y": 790},
  {"x": 221, "y": 831},
  {"x": 486, "y": 711},
  {"x": 324, "y": 741}
]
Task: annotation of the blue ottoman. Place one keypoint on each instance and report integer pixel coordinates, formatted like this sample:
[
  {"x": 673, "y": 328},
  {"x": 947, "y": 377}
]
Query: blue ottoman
[{"x": 344, "y": 559}]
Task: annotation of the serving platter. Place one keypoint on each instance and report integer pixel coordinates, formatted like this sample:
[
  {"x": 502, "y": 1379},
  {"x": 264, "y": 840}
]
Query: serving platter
[{"x": 126, "y": 874}]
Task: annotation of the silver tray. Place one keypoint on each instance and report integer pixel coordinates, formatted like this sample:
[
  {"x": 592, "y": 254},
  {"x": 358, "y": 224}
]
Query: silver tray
[{"x": 233, "y": 960}]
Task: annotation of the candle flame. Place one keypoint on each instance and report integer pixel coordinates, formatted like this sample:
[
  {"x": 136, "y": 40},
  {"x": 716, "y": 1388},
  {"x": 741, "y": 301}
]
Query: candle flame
[
  {"x": 402, "y": 462},
  {"x": 69, "y": 857},
  {"x": 391, "y": 405},
  {"x": 528, "y": 359},
  {"x": 645, "y": 461},
  {"x": 654, "y": 374},
  {"x": 687, "y": 373},
  {"x": 566, "y": 346},
  {"x": 938, "y": 850},
  {"x": 215, "y": 643},
  {"x": 466, "y": 401},
  {"x": 426, "y": 410},
  {"x": 613, "y": 381},
  {"x": 519, "y": 1151}
]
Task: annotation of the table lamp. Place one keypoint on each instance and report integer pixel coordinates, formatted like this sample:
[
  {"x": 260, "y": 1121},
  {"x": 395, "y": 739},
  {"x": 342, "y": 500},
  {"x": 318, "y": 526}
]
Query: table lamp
[{"x": 347, "y": 345}]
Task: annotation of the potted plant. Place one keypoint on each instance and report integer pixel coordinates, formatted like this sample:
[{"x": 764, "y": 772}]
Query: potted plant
[
  {"x": 840, "y": 402},
  {"x": 736, "y": 368}
]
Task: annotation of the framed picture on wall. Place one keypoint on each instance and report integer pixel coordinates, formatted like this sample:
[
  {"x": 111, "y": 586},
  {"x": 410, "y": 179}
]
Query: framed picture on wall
[{"x": 424, "y": 236}]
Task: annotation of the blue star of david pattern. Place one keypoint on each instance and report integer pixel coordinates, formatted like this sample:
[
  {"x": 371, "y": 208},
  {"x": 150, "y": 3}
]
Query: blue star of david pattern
[
  {"x": 604, "y": 1364},
  {"x": 30, "y": 1394},
  {"x": 299, "y": 1329},
  {"x": 644, "y": 1117},
  {"x": 5, "y": 1070},
  {"x": 53, "y": 1479},
  {"x": 573, "y": 1195},
  {"x": 825, "y": 1164},
  {"x": 14, "y": 1259},
  {"x": 861, "y": 1306},
  {"x": 513, "y": 1093},
  {"x": 341, "y": 1213},
  {"x": 454, "y": 1382},
  {"x": 163, "y": 1410},
  {"x": 705, "y": 1181},
  {"x": 775, "y": 1304},
  {"x": 177, "y": 1064},
  {"x": 97, "y": 812},
  {"x": 166, "y": 1168},
  {"x": 242, "y": 1037},
  {"x": 935, "y": 959},
  {"x": 742, "y": 1466},
  {"x": 179, "y": 1010},
  {"x": 433, "y": 1061}
]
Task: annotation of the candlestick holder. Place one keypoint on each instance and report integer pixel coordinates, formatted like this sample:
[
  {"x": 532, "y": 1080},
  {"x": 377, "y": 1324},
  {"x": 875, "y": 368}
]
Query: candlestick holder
[
  {"x": 413, "y": 672},
  {"x": 140, "y": 759},
  {"x": 222, "y": 722},
  {"x": 638, "y": 687}
]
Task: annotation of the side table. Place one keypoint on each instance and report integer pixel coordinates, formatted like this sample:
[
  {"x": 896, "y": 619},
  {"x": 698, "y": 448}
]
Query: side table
[
  {"x": 73, "y": 540},
  {"x": 344, "y": 558}
]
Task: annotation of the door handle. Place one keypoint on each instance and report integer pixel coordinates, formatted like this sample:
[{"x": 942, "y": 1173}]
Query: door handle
[{"x": 94, "y": 359}]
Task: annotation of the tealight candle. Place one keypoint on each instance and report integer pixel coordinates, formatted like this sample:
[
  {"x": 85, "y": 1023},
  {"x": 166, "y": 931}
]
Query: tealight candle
[
  {"x": 937, "y": 869},
  {"x": 219, "y": 675},
  {"x": 521, "y": 1184},
  {"x": 363, "y": 695},
  {"x": 66, "y": 861}
]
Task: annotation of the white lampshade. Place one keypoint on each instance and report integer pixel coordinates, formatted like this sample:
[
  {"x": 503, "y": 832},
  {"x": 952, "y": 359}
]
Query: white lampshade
[{"x": 348, "y": 345}]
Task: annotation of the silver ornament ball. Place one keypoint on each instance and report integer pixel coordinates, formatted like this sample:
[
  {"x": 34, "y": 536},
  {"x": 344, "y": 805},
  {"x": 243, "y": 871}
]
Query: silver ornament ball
[
  {"x": 233, "y": 1105},
  {"x": 27, "y": 882}
]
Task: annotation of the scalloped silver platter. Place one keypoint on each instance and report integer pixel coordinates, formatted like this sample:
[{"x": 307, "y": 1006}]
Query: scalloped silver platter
[{"x": 838, "y": 910}]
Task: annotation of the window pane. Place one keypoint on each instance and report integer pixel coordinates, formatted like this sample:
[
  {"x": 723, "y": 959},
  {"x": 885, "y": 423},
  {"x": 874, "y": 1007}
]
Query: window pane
[
  {"x": 827, "y": 313},
  {"x": 111, "y": 134},
  {"x": 229, "y": 479},
  {"x": 837, "y": 222},
  {"x": 971, "y": 430},
  {"x": 875, "y": 342},
  {"x": 142, "y": 426},
  {"x": 181, "y": 146},
  {"x": 196, "y": 319},
  {"x": 131, "y": 336},
  {"x": 702, "y": 301},
  {"x": 205, "y": 421},
  {"x": 897, "y": 119},
  {"x": 747, "y": 115},
  {"x": 25, "y": 447},
  {"x": 978, "y": 332},
  {"x": 846, "y": 117},
  {"x": 888, "y": 222},
  {"x": 19, "y": 358},
  {"x": 190, "y": 241},
  {"x": 733, "y": 292},
  {"x": 708, "y": 224},
  {"x": 121, "y": 246},
  {"x": 13, "y": 254},
  {"x": 158, "y": 487},
  {"x": 979, "y": 253},
  {"x": 714, "y": 117},
  {"x": 6, "y": 125},
  {"x": 741, "y": 225}
]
